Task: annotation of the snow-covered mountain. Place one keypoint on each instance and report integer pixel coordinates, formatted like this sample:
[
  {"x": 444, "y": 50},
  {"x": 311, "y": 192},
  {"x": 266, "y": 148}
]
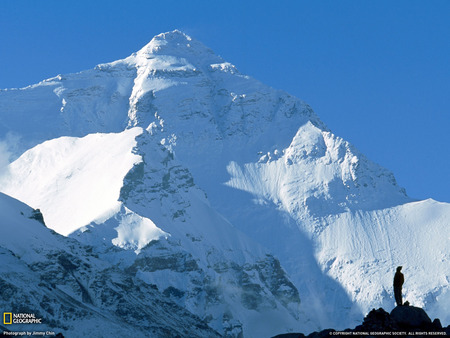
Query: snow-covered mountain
[
  {"x": 233, "y": 198},
  {"x": 71, "y": 290}
]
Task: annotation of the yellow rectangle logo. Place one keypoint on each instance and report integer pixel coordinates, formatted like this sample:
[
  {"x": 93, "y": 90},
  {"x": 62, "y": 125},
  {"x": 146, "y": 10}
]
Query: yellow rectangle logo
[{"x": 7, "y": 317}]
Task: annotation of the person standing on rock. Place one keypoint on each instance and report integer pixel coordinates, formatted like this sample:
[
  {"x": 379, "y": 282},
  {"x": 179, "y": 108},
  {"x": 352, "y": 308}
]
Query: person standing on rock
[{"x": 399, "y": 279}]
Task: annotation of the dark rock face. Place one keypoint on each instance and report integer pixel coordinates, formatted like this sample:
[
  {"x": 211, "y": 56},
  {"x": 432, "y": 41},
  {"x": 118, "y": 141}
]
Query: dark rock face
[
  {"x": 401, "y": 319},
  {"x": 377, "y": 320},
  {"x": 37, "y": 215},
  {"x": 411, "y": 317}
]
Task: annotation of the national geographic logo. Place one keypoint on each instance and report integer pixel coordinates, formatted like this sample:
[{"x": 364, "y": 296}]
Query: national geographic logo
[
  {"x": 20, "y": 318},
  {"x": 7, "y": 318}
]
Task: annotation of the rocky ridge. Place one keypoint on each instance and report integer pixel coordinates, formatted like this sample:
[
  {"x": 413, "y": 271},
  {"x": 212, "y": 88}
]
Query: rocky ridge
[
  {"x": 402, "y": 321},
  {"x": 73, "y": 291}
]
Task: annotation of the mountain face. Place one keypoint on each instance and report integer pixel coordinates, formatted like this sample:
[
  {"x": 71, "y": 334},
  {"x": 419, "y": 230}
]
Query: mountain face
[
  {"x": 231, "y": 198},
  {"x": 65, "y": 285}
]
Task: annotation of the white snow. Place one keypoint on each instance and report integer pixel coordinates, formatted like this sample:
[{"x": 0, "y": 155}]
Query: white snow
[
  {"x": 362, "y": 249},
  {"x": 16, "y": 230},
  {"x": 338, "y": 222},
  {"x": 73, "y": 181},
  {"x": 134, "y": 232}
]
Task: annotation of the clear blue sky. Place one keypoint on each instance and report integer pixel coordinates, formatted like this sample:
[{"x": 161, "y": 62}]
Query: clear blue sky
[{"x": 376, "y": 72}]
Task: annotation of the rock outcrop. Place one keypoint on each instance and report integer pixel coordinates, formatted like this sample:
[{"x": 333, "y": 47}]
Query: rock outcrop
[{"x": 402, "y": 321}]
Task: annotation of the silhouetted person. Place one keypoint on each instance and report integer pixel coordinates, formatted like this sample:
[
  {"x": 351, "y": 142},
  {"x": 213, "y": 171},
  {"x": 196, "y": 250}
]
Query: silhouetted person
[{"x": 398, "y": 283}]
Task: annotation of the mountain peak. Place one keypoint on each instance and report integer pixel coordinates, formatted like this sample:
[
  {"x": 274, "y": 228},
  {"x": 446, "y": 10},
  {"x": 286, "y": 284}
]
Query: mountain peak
[
  {"x": 215, "y": 153},
  {"x": 178, "y": 44},
  {"x": 175, "y": 38},
  {"x": 173, "y": 42},
  {"x": 175, "y": 35}
]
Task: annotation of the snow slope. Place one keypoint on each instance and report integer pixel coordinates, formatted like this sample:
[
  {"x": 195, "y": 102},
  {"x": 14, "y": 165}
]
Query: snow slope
[
  {"x": 170, "y": 235},
  {"x": 59, "y": 280},
  {"x": 191, "y": 123},
  {"x": 44, "y": 174},
  {"x": 415, "y": 235}
]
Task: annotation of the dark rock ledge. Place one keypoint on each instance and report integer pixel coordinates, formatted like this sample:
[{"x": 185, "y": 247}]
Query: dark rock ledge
[{"x": 402, "y": 321}]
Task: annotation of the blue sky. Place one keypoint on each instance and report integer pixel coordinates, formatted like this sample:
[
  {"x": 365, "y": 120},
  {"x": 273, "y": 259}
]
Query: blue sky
[{"x": 376, "y": 72}]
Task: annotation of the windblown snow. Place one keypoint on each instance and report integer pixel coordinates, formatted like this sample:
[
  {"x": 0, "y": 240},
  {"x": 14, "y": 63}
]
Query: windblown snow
[{"x": 232, "y": 198}]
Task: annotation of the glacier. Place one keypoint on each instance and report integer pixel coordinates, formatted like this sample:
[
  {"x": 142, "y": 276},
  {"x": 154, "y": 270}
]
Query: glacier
[{"x": 232, "y": 198}]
